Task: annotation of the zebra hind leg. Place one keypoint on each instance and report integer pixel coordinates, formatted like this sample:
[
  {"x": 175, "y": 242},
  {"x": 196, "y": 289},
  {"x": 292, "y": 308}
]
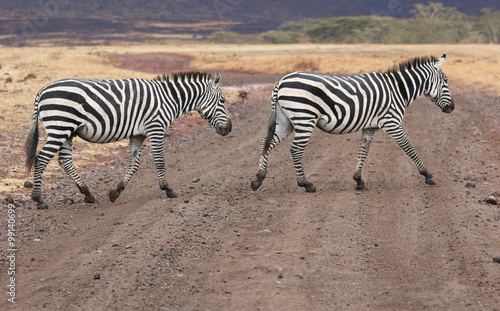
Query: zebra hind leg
[
  {"x": 261, "y": 174},
  {"x": 43, "y": 158},
  {"x": 302, "y": 136},
  {"x": 134, "y": 161},
  {"x": 366, "y": 139},
  {"x": 66, "y": 162},
  {"x": 279, "y": 128}
]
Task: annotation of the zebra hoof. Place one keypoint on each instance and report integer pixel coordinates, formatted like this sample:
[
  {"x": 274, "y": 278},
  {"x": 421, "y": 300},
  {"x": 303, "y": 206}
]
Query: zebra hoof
[
  {"x": 42, "y": 205},
  {"x": 430, "y": 181},
  {"x": 360, "y": 185},
  {"x": 255, "y": 184},
  {"x": 89, "y": 198},
  {"x": 172, "y": 194},
  {"x": 113, "y": 195},
  {"x": 310, "y": 187}
]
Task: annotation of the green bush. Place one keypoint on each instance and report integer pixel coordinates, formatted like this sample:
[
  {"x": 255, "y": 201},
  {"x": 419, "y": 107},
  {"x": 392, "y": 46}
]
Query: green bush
[
  {"x": 432, "y": 23},
  {"x": 359, "y": 29},
  {"x": 275, "y": 37}
]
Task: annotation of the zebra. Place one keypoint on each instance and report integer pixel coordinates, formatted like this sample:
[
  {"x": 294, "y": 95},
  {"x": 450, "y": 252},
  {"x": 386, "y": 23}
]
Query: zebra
[
  {"x": 103, "y": 111},
  {"x": 302, "y": 101}
]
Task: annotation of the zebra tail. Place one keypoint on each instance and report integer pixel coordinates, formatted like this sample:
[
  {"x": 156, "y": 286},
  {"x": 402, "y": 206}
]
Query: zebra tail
[
  {"x": 272, "y": 120},
  {"x": 31, "y": 143}
]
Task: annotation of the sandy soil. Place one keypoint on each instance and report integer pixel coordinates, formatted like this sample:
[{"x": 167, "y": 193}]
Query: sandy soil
[{"x": 399, "y": 245}]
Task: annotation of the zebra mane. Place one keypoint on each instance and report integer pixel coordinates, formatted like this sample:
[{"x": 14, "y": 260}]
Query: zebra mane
[
  {"x": 411, "y": 63},
  {"x": 186, "y": 75}
]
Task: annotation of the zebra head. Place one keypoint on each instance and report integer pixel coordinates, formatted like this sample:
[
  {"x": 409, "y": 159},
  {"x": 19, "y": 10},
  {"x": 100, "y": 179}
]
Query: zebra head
[
  {"x": 213, "y": 107},
  {"x": 437, "y": 90}
]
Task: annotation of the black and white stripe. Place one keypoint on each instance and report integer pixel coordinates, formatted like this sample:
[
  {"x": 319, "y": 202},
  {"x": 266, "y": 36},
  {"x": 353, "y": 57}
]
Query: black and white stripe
[
  {"x": 103, "y": 111},
  {"x": 302, "y": 101}
]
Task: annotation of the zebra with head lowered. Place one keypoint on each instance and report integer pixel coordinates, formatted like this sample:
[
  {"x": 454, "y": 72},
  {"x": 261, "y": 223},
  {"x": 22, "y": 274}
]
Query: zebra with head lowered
[
  {"x": 103, "y": 111},
  {"x": 302, "y": 101}
]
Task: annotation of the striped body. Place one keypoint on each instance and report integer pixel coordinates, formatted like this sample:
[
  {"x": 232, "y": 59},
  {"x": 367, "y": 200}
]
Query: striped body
[
  {"x": 302, "y": 101},
  {"x": 340, "y": 104},
  {"x": 103, "y": 111}
]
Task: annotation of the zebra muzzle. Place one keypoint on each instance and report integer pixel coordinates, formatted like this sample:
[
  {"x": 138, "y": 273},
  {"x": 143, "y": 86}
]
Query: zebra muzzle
[
  {"x": 449, "y": 108},
  {"x": 225, "y": 130}
]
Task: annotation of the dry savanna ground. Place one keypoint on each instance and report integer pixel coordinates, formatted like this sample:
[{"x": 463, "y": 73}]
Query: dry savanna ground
[
  {"x": 30, "y": 68},
  {"x": 399, "y": 245}
]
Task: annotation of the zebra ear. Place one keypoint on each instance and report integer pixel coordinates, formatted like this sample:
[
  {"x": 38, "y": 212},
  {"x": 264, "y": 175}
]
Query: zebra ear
[
  {"x": 440, "y": 61},
  {"x": 216, "y": 78}
]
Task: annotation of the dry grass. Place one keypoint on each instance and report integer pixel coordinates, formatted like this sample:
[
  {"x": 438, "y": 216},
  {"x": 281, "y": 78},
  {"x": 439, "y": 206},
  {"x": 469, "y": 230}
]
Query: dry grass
[
  {"x": 469, "y": 65},
  {"x": 473, "y": 66}
]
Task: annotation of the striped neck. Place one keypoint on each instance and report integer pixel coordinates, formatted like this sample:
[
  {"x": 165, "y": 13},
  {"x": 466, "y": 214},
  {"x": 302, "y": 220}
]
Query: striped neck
[
  {"x": 410, "y": 79},
  {"x": 408, "y": 85},
  {"x": 186, "y": 89}
]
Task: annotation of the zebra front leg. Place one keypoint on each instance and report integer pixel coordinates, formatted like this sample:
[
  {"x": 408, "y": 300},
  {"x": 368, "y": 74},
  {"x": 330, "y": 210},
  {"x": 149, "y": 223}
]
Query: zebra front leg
[
  {"x": 400, "y": 137},
  {"x": 156, "y": 140},
  {"x": 366, "y": 139},
  {"x": 66, "y": 162},
  {"x": 299, "y": 144},
  {"x": 133, "y": 164}
]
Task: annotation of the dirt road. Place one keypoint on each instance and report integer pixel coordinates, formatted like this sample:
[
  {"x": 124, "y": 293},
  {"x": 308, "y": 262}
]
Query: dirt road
[{"x": 399, "y": 245}]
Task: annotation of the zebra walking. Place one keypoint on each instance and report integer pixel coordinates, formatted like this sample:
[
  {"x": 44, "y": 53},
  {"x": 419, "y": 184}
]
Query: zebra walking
[
  {"x": 302, "y": 101},
  {"x": 103, "y": 111}
]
